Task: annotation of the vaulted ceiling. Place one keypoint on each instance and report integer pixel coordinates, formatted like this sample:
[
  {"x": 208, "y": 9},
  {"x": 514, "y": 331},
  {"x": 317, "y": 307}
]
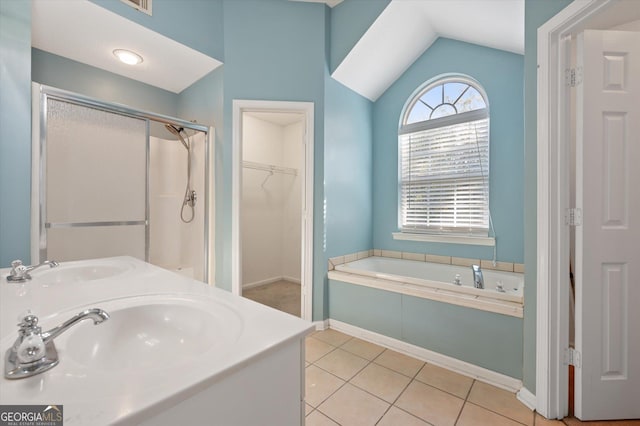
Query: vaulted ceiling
[
  {"x": 402, "y": 33},
  {"x": 406, "y": 28}
]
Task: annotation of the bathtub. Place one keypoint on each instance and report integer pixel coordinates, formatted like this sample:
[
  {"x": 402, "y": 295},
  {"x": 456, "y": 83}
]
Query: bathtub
[{"x": 436, "y": 281}]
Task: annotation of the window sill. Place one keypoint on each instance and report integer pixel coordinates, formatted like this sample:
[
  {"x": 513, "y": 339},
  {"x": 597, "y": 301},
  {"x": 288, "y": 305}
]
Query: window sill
[{"x": 451, "y": 239}]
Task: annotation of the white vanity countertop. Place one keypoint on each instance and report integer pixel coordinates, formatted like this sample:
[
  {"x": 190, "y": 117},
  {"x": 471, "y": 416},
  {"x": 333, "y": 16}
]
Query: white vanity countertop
[{"x": 126, "y": 396}]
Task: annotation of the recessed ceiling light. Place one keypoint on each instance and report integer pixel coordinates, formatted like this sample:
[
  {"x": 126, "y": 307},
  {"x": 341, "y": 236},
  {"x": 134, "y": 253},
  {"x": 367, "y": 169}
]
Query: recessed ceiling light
[{"x": 127, "y": 56}]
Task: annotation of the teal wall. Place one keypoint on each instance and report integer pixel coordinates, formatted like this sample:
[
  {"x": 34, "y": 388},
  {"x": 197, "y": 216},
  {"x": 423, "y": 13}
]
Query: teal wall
[
  {"x": 349, "y": 21},
  {"x": 263, "y": 61},
  {"x": 63, "y": 73},
  {"x": 15, "y": 130},
  {"x": 203, "y": 102},
  {"x": 501, "y": 75},
  {"x": 486, "y": 339},
  {"x": 274, "y": 50},
  {"x": 536, "y": 12},
  {"x": 348, "y": 170},
  {"x": 348, "y": 176}
]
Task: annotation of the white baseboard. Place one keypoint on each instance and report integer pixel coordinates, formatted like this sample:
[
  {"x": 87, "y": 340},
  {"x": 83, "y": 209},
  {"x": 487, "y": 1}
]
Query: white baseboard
[
  {"x": 321, "y": 325},
  {"x": 480, "y": 373},
  {"x": 269, "y": 281},
  {"x": 261, "y": 282},
  {"x": 527, "y": 398}
]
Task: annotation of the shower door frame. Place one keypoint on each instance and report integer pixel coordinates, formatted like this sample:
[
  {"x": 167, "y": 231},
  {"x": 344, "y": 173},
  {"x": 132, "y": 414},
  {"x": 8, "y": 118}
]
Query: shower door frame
[{"x": 40, "y": 95}]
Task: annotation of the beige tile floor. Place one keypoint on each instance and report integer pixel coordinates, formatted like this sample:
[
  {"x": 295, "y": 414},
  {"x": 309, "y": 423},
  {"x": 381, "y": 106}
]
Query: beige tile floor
[{"x": 350, "y": 382}]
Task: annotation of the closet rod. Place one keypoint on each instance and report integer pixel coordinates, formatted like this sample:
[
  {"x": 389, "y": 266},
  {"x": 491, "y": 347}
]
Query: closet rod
[{"x": 269, "y": 168}]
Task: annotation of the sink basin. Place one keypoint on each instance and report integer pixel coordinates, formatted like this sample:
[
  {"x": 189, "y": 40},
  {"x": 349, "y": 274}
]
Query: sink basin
[
  {"x": 155, "y": 335},
  {"x": 73, "y": 273}
]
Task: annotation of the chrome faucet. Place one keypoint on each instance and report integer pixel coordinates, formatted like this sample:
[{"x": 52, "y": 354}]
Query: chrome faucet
[
  {"x": 20, "y": 273},
  {"x": 478, "y": 280},
  {"x": 33, "y": 351}
]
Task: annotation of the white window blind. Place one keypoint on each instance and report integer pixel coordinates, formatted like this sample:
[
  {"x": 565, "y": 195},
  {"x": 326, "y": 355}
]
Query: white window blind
[{"x": 444, "y": 181}]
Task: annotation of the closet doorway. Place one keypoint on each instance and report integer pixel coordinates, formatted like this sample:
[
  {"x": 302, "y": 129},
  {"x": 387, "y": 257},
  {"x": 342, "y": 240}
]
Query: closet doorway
[{"x": 272, "y": 204}]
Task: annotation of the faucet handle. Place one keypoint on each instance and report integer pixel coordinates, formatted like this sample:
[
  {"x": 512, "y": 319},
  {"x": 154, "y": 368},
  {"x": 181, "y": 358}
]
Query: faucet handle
[
  {"x": 31, "y": 353},
  {"x": 19, "y": 272},
  {"x": 31, "y": 348},
  {"x": 28, "y": 321},
  {"x": 18, "y": 268}
]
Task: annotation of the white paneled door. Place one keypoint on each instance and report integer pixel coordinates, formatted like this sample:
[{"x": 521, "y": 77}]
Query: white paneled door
[{"x": 608, "y": 240}]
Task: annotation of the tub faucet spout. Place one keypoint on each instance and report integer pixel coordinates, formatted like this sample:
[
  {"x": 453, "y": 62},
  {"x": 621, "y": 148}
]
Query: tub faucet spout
[{"x": 478, "y": 280}]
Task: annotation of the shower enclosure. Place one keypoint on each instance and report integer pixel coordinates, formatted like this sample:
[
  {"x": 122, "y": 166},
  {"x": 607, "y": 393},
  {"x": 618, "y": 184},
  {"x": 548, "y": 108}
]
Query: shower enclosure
[{"x": 108, "y": 180}]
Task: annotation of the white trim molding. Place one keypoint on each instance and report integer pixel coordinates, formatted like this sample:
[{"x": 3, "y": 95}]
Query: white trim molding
[
  {"x": 321, "y": 325},
  {"x": 271, "y": 280},
  {"x": 553, "y": 243},
  {"x": 306, "y": 108},
  {"x": 527, "y": 398},
  {"x": 451, "y": 239},
  {"x": 488, "y": 376}
]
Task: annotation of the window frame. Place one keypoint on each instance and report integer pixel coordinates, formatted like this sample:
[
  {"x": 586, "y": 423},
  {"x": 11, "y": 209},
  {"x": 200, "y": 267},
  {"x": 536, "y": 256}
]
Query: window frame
[{"x": 462, "y": 236}]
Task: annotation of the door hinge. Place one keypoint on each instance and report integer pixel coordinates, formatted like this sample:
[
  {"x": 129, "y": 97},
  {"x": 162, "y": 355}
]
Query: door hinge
[
  {"x": 573, "y": 217},
  {"x": 572, "y": 76},
  {"x": 572, "y": 357}
]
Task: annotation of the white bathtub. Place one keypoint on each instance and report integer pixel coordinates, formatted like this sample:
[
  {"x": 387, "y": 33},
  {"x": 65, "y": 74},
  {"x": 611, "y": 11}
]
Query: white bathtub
[{"x": 436, "y": 281}]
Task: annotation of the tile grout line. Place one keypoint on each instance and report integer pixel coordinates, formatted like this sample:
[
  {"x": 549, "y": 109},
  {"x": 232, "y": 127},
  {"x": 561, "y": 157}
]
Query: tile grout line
[
  {"x": 340, "y": 387},
  {"x": 444, "y": 390},
  {"x": 393, "y": 404},
  {"x": 466, "y": 399},
  {"x": 412, "y": 378},
  {"x": 489, "y": 409},
  {"x": 344, "y": 380},
  {"x": 495, "y": 412},
  {"x": 369, "y": 362},
  {"x": 329, "y": 417},
  {"x": 337, "y": 389},
  {"x": 340, "y": 378},
  {"x": 334, "y": 348}
]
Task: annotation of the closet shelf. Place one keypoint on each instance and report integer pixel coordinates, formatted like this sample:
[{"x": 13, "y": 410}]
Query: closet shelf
[{"x": 270, "y": 168}]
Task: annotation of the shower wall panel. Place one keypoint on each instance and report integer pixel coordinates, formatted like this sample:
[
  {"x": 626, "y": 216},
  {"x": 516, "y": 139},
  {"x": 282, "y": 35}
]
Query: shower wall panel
[{"x": 173, "y": 244}]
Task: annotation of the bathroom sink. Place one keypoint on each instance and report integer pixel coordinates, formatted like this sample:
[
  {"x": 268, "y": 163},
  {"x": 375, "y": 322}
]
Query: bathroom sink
[
  {"x": 153, "y": 334},
  {"x": 83, "y": 272}
]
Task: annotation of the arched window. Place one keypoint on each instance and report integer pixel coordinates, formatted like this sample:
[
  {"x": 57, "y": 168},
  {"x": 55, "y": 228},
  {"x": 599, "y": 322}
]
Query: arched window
[{"x": 444, "y": 159}]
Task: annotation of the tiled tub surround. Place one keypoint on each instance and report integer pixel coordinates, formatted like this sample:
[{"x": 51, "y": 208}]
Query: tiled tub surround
[
  {"x": 432, "y": 277},
  {"x": 425, "y": 257},
  {"x": 479, "y": 337}
]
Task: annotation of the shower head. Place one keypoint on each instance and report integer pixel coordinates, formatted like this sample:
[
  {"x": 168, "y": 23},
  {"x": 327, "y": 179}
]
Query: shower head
[{"x": 177, "y": 132}]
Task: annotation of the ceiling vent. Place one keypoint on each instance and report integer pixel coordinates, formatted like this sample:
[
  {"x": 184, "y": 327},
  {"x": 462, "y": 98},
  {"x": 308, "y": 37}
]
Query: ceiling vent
[{"x": 141, "y": 5}]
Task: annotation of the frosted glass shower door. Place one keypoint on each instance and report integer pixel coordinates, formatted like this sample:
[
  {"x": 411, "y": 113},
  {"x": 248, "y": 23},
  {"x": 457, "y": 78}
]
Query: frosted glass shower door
[{"x": 93, "y": 181}]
